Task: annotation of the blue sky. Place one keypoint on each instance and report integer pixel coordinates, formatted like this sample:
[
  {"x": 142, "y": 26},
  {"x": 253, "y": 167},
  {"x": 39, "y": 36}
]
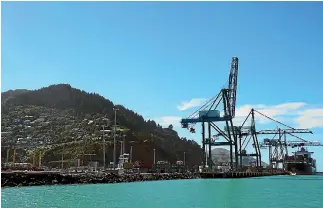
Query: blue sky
[{"x": 151, "y": 57}]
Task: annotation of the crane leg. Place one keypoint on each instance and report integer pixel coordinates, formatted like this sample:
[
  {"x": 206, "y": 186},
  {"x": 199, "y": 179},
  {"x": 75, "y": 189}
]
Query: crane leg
[{"x": 203, "y": 144}]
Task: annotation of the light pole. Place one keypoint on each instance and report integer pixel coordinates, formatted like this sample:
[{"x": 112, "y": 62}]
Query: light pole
[
  {"x": 184, "y": 158},
  {"x": 103, "y": 140},
  {"x": 154, "y": 156},
  {"x": 114, "y": 137},
  {"x": 131, "y": 154},
  {"x": 121, "y": 148},
  {"x": 103, "y": 148},
  {"x": 39, "y": 160},
  {"x": 124, "y": 143},
  {"x": 62, "y": 164}
]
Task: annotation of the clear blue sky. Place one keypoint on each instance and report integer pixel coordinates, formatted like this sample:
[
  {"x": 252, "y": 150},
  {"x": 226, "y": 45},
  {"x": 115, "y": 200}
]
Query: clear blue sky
[{"x": 151, "y": 57}]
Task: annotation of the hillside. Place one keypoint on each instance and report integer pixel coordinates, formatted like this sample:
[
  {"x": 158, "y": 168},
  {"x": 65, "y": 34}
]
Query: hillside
[
  {"x": 42, "y": 119},
  {"x": 5, "y": 96},
  {"x": 223, "y": 155}
]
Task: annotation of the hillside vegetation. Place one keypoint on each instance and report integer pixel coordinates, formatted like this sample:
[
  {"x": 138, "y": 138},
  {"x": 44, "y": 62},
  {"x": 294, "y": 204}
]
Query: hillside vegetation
[{"x": 61, "y": 120}]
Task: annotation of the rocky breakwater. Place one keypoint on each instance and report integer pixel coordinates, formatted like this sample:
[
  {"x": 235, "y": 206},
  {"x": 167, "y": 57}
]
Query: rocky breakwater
[{"x": 36, "y": 179}]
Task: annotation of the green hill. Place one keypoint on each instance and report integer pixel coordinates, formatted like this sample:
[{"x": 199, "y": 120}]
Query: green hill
[{"x": 41, "y": 120}]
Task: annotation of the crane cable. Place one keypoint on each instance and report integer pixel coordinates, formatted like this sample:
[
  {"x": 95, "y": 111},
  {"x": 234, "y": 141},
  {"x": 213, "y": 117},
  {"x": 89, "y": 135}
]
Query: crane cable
[
  {"x": 274, "y": 120},
  {"x": 209, "y": 101}
]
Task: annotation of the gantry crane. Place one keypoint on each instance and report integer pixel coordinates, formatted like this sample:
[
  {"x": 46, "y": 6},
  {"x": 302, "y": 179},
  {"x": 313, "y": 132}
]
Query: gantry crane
[
  {"x": 245, "y": 134},
  {"x": 208, "y": 114},
  {"x": 278, "y": 148}
]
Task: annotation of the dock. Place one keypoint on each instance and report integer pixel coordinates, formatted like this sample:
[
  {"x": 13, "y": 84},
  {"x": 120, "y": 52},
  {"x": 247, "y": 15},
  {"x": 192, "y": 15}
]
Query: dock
[{"x": 239, "y": 174}]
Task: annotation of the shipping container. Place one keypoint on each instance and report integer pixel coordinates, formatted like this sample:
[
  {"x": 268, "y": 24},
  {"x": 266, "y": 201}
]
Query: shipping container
[
  {"x": 176, "y": 166},
  {"x": 235, "y": 128},
  {"x": 209, "y": 113},
  {"x": 146, "y": 165},
  {"x": 127, "y": 165}
]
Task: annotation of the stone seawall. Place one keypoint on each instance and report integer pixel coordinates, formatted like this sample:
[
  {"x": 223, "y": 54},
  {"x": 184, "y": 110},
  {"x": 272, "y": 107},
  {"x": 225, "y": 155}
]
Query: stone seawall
[
  {"x": 38, "y": 178},
  {"x": 241, "y": 174}
]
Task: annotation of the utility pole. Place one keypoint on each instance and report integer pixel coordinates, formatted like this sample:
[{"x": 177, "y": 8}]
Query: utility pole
[
  {"x": 114, "y": 137},
  {"x": 39, "y": 161},
  {"x": 14, "y": 157},
  {"x": 7, "y": 158},
  {"x": 121, "y": 147},
  {"x": 103, "y": 140},
  {"x": 131, "y": 154},
  {"x": 34, "y": 160},
  {"x": 184, "y": 157},
  {"x": 124, "y": 143},
  {"x": 103, "y": 145},
  {"x": 62, "y": 159},
  {"x": 154, "y": 156}
]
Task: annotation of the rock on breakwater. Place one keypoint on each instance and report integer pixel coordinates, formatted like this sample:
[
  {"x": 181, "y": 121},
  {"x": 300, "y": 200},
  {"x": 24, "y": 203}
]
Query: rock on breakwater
[
  {"x": 37, "y": 178},
  {"x": 245, "y": 174}
]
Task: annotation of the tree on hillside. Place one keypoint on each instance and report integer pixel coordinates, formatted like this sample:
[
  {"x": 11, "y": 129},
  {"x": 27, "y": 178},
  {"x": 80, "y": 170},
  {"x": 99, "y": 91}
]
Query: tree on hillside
[{"x": 68, "y": 112}]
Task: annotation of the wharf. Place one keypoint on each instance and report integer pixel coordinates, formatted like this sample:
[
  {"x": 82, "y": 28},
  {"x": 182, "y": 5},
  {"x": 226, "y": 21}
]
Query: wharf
[{"x": 239, "y": 174}]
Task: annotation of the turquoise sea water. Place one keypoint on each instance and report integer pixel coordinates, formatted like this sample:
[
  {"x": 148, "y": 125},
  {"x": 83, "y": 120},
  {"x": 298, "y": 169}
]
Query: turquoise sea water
[{"x": 276, "y": 192}]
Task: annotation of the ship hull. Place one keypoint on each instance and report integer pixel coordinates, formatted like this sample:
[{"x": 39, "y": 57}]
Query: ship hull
[
  {"x": 304, "y": 173},
  {"x": 301, "y": 168}
]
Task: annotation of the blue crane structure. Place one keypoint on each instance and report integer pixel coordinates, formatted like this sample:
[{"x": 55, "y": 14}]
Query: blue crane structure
[
  {"x": 238, "y": 137},
  {"x": 277, "y": 148},
  {"x": 278, "y": 145},
  {"x": 208, "y": 114}
]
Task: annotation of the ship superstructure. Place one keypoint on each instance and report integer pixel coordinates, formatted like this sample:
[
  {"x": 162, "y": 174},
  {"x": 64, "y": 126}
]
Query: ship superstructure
[{"x": 301, "y": 162}]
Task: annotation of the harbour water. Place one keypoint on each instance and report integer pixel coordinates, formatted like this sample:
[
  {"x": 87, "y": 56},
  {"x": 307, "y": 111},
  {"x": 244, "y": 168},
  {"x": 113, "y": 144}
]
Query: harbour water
[{"x": 267, "y": 192}]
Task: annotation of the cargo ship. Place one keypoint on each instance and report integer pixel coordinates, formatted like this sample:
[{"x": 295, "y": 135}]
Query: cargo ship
[{"x": 301, "y": 162}]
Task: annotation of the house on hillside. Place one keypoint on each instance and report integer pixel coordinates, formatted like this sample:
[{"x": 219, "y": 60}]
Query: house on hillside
[
  {"x": 39, "y": 120},
  {"x": 27, "y": 122}
]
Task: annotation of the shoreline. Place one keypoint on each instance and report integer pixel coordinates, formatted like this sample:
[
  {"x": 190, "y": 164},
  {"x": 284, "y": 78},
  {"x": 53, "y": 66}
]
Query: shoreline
[{"x": 45, "y": 179}]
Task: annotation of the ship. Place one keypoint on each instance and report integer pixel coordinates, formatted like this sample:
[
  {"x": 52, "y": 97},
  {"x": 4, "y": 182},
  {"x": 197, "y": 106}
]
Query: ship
[{"x": 301, "y": 162}]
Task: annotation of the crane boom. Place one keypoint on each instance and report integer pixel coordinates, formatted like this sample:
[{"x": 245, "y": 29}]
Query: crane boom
[
  {"x": 208, "y": 115},
  {"x": 288, "y": 131},
  {"x": 208, "y": 112},
  {"x": 290, "y": 143},
  {"x": 232, "y": 89},
  {"x": 308, "y": 143}
]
